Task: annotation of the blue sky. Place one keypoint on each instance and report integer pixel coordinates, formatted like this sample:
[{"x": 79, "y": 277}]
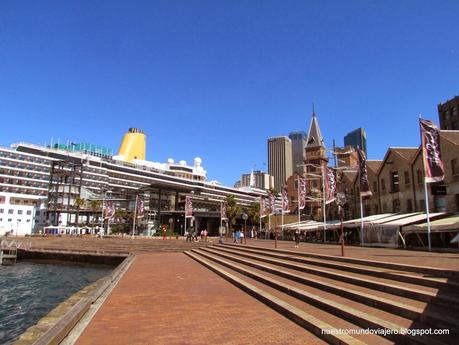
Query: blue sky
[{"x": 215, "y": 79}]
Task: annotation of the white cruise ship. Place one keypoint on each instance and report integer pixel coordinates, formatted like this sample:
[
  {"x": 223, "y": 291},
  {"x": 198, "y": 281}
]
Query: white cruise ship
[{"x": 30, "y": 200}]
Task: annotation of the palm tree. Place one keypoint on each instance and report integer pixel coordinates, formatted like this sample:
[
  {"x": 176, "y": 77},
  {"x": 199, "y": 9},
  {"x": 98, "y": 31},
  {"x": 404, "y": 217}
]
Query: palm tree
[
  {"x": 233, "y": 209},
  {"x": 95, "y": 206},
  {"x": 254, "y": 212},
  {"x": 79, "y": 202},
  {"x": 121, "y": 214}
]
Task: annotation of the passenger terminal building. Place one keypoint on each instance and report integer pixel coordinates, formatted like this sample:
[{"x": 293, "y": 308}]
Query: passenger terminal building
[{"x": 43, "y": 185}]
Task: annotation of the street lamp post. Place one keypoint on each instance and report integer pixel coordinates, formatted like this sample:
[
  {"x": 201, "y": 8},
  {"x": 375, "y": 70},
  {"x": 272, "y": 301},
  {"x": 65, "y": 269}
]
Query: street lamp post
[
  {"x": 341, "y": 201},
  {"x": 245, "y": 217}
]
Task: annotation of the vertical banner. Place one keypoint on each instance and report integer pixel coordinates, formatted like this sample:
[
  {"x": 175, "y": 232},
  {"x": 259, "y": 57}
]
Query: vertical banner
[
  {"x": 272, "y": 203},
  {"x": 140, "y": 208},
  {"x": 263, "y": 207},
  {"x": 302, "y": 192},
  {"x": 431, "y": 154},
  {"x": 188, "y": 207},
  {"x": 363, "y": 175},
  {"x": 109, "y": 209},
  {"x": 223, "y": 215},
  {"x": 285, "y": 200},
  {"x": 330, "y": 185}
]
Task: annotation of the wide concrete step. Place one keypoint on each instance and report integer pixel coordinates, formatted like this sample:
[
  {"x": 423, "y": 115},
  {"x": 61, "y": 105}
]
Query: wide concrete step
[
  {"x": 301, "y": 316},
  {"x": 444, "y": 297},
  {"x": 384, "y": 302},
  {"x": 418, "y": 278},
  {"x": 358, "y": 314},
  {"x": 426, "y": 270}
]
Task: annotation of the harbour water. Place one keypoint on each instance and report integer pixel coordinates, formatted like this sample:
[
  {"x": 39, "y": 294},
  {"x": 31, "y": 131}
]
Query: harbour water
[{"x": 29, "y": 290}]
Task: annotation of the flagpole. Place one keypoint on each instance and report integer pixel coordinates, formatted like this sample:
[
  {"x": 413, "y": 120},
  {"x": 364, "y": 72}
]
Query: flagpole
[
  {"x": 299, "y": 218},
  {"x": 221, "y": 218},
  {"x": 361, "y": 200},
  {"x": 102, "y": 220},
  {"x": 135, "y": 215},
  {"x": 282, "y": 222},
  {"x": 425, "y": 190},
  {"x": 269, "y": 225},
  {"x": 361, "y": 216},
  {"x": 324, "y": 202},
  {"x": 427, "y": 213}
]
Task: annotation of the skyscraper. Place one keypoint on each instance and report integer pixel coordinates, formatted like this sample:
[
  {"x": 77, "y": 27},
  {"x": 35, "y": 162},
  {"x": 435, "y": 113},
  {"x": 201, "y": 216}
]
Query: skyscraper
[
  {"x": 357, "y": 137},
  {"x": 280, "y": 160},
  {"x": 298, "y": 144}
]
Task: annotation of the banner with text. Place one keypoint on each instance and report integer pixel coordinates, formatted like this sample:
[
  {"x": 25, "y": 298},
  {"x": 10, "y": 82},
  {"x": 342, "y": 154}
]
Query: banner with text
[
  {"x": 363, "y": 175},
  {"x": 188, "y": 207},
  {"x": 431, "y": 153},
  {"x": 285, "y": 200}
]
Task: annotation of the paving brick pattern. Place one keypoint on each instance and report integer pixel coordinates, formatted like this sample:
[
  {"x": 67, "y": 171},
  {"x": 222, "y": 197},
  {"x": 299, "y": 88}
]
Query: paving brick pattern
[{"x": 168, "y": 298}]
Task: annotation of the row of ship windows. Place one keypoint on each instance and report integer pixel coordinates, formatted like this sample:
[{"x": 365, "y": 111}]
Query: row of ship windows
[
  {"x": 11, "y": 211},
  {"x": 25, "y": 167},
  {"x": 18, "y": 182},
  {"x": 24, "y": 174},
  {"x": 22, "y": 191},
  {"x": 23, "y": 158},
  {"x": 10, "y": 220}
]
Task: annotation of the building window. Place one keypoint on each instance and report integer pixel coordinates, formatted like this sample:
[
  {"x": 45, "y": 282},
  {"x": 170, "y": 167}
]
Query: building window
[
  {"x": 10, "y": 211},
  {"x": 19, "y": 211},
  {"x": 383, "y": 185},
  {"x": 375, "y": 187},
  {"x": 422, "y": 205},
  {"x": 407, "y": 177},
  {"x": 409, "y": 206},
  {"x": 29, "y": 212},
  {"x": 1, "y": 210},
  {"x": 9, "y": 220},
  {"x": 396, "y": 206},
  {"x": 454, "y": 167},
  {"x": 457, "y": 202},
  {"x": 419, "y": 176},
  {"x": 394, "y": 182}
]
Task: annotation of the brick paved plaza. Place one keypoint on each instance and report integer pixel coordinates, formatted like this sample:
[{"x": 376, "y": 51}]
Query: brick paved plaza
[{"x": 167, "y": 298}]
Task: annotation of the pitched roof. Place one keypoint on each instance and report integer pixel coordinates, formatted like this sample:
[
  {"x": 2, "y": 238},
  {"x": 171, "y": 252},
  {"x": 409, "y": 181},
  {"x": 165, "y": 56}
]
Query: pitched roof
[
  {"x": 452, "y": 136},
  {"x": 406, "y": 153},
  {"x": 350, "y": 175},
  {"x": 314, "y": 138},
  {"x": 374, "y": 165}
]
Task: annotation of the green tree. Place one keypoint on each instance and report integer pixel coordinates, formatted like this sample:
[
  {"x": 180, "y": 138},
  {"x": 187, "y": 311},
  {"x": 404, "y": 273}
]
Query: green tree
[
  {"x": 95, "y": 206},
  {"x": 233, "y": 210},
  {"x": 121, "y": 214},
  {"x": 79, "y": 203},
  {"x": 274, "y": 191},
  {"x": 254, "y": 212}
]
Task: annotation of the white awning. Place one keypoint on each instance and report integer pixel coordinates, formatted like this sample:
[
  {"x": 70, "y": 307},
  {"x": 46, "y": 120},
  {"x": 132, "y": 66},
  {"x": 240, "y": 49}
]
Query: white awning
[
  {"x": 447, "y": 224},
  {"x": 356, "y": 222},
  {"x": 407, "y": 219}
]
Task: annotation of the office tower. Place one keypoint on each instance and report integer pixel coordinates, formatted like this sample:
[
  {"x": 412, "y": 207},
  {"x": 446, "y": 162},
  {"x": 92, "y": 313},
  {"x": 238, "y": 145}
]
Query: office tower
[
  {"x": 257, "y": 179},
  {"x": 357, "y": 138},
  {"x": 298, "y": 144},
  {"x": 280, "y": 160}
]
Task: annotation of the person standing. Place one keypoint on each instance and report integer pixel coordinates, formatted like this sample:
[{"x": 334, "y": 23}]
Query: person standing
[{"x": 296, "y": 235}]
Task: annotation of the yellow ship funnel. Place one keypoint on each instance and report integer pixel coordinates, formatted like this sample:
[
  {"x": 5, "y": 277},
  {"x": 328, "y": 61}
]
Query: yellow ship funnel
[{"x": 133, "y": 145}]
